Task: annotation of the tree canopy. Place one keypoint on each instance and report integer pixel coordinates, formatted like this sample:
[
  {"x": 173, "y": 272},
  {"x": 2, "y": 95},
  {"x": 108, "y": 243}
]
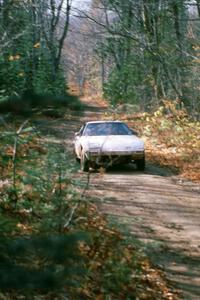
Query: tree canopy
[
  {"x": 148, "y": 50},
  {"x": 32, "y": 34}
]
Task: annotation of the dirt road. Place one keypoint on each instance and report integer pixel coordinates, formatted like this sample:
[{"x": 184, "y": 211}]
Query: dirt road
[
  {"x": 161, "y": 213},
  {"x": 158, "y": 208}
]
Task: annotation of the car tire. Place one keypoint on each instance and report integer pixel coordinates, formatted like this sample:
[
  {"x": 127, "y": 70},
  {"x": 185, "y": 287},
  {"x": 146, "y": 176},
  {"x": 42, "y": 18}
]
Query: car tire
[
  {"x": 78, "y": 160},
  {"x": 85, "y": 164},
  {"x": 141, "y": 164},
  {"x": 76, "y": 157}
]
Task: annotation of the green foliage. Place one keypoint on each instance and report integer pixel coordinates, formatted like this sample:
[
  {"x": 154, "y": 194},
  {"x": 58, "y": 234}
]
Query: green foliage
[
  {"x": 40, "y": 262},
  {"x": 45, "y": 82},
  {"x": 51, "y": 105},
  {"x": 122, "y": 85},
  {"x": 12, "y": 83},
  {"x": 149, "y": 52},
  {"x": 46, "y": 258},
  {"x": 7, "y": 224},
  {"x": 27, "y": 66}
]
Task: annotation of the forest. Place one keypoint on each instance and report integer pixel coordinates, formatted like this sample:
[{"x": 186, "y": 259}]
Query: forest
[
  {"x": 136, "y": 52},
  {"x": 141, "y": 58},
  {"x": 146, "y": 51}
]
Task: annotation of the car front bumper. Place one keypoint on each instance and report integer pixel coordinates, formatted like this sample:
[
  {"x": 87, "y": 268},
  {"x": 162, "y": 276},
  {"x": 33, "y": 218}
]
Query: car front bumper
[{"x": 114, "y": 157}]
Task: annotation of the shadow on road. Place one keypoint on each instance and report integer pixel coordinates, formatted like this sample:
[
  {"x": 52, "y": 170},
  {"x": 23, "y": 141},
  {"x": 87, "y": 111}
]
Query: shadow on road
[
  {"x": 159, "y": 212},
  {"x": 150, "y": 169},
  {"x": 182, "y": 269}
]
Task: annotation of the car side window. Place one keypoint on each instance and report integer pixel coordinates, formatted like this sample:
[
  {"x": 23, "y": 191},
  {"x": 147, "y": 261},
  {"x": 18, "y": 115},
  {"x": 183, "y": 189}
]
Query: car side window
[{"x": 124, "y": 129}]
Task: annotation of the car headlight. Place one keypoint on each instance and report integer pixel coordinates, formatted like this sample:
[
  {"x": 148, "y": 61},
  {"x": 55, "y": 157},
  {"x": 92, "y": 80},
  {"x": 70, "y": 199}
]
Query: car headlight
[{"x": 94, "y": 147}]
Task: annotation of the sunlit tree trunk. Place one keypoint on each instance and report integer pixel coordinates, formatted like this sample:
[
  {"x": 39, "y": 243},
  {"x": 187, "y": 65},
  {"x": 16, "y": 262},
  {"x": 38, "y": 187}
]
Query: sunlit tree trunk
[
  {"x": 198, "y": 6},
  {"x": 57, "y": 18},
  {"x": 151, "y": 24}
]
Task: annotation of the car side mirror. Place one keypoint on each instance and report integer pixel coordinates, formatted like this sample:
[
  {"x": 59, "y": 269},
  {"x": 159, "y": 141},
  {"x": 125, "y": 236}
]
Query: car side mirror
[
  {"x": 77, "y": 134},
  {"x": 134, "y": 132}
]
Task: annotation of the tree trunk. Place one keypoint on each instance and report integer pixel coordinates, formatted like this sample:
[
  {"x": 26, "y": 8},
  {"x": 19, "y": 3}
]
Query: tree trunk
[
  {"x": 151, "y": 19},
  {"x": 198, "y": 6}
]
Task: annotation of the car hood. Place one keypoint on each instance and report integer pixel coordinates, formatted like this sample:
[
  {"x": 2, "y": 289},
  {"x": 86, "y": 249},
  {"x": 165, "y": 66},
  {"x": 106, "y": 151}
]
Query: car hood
[{"x": 113, "y": 143}]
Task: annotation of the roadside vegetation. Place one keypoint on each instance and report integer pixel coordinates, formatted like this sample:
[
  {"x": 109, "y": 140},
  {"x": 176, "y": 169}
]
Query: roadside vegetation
[{"x": 171, "y": 136}]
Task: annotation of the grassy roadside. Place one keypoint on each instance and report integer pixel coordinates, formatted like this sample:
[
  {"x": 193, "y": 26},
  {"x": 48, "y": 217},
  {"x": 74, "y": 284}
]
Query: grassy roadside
[{"x": 53, "y": 238}]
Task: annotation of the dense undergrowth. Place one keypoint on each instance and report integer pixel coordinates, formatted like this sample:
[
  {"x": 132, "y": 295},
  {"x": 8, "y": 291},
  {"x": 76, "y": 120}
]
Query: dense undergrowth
[
  {"x": 28, "y": 103},
  {"x": 54, "y": 243}
]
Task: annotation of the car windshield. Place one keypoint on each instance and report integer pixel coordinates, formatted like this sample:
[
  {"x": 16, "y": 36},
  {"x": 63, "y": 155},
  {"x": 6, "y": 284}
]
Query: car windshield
[{"x": 108, "y": 128}]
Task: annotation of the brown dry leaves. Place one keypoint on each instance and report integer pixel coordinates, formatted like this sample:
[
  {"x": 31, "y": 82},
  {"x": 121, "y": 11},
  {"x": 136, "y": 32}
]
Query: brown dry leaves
[
  {"x": 172, "y": 139},
  {"x": 116, "y": 269}
]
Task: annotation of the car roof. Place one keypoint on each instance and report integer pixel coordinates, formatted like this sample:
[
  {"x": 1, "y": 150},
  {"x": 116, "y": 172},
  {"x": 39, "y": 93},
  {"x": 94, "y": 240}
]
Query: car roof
[{"x": 94, "y": 122}]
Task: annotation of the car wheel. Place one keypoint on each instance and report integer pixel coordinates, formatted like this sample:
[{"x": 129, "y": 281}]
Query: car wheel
[
  {"x": 141, "y": 164},
  {"x": 85, "y": 164},
  {"x": 76, "y": 157},
  {"x": 78, "y": 160}
]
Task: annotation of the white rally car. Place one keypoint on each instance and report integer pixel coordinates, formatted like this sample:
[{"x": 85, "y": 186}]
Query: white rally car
[{"x": 105, "y": 143}]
